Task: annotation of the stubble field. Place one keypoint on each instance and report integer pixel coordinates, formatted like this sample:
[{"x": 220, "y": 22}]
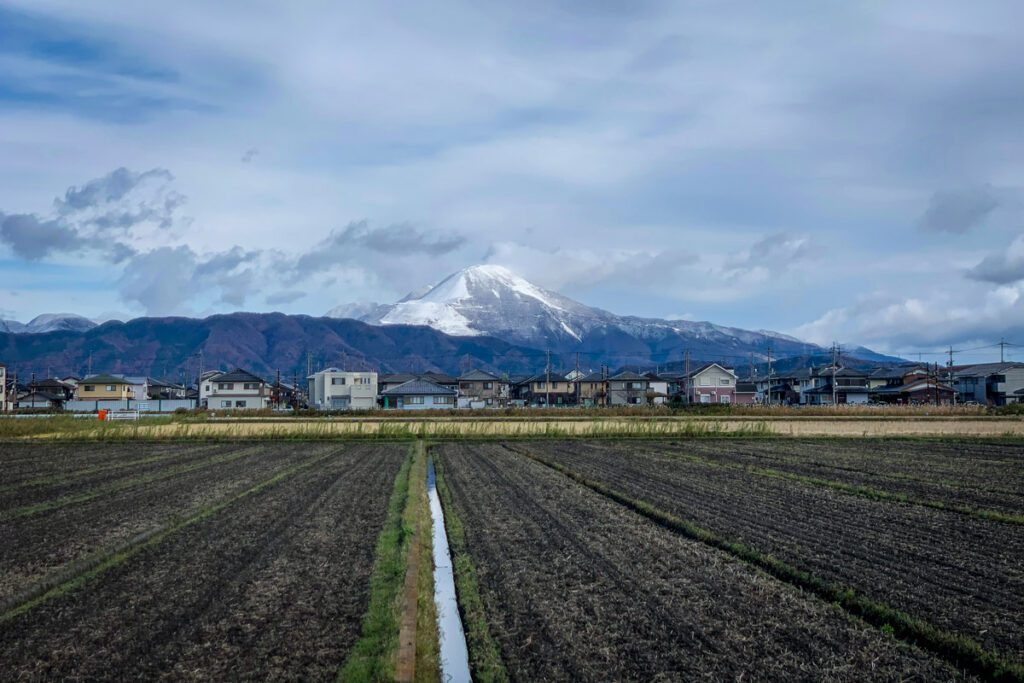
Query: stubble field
[{"x": 575, "y": 559}]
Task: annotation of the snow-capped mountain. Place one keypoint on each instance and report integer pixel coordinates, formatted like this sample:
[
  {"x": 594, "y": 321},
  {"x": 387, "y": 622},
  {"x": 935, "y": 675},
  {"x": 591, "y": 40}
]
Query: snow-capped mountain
[
  {"x": 48, "y": 322},
  {"x": 492, "y": 300}
]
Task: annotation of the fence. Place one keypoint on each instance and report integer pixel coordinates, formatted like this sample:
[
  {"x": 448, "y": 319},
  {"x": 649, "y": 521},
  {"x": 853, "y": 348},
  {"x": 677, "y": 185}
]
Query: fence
[{"x": 155, "y": 405}]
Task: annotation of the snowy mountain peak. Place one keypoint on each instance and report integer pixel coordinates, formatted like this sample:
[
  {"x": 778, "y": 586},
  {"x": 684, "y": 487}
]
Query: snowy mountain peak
[
  {"x": 493, "y": 300},
  {"x": 475, "y": 281}
]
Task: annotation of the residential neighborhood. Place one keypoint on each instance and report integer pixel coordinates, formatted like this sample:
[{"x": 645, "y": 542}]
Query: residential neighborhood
[{"x": 338, "y": 389}]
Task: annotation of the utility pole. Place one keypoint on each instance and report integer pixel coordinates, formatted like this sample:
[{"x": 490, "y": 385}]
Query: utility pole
[
  {"x": 547, "y": 381},
  {"x": 686, "y": 375},
  {"x": 950, "y": 373},
  {"x": 89, "y": 373},
  {"x": 769, "y": 373},
  {"x": 577, "y": 379},
  {"x": 1002, "y": 347},
  {"x": 834, "y": 350}
]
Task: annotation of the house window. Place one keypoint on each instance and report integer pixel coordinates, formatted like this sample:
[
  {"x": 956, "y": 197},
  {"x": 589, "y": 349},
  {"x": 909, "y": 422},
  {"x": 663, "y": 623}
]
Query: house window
[
  {"x": 705, "y": 381},
  {"x": 252, "y": 386},
  {"x": 337, "y": 380},
  {"x": 110, "y": 387},
  {"x": 239, "y": 404},
  {"x": 724, "y": 381},
  {"x": 488, "y": 385},
  {"x": 705, "y": 398},
  {"x": 414, "y": 400},
  {"x": 725, "y": 398},
  {"x": 444, "y": 400},
  {"x": 636, "y": 385},
  {"x": 225, "y": 385},
  {"x": 90, "y": 387},
  {"x": 225, "y": 404}
]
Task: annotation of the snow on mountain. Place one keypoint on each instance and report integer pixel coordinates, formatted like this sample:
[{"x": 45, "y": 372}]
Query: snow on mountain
[
  {"x": 48, "y": 322},
  {"x": 493, "y": 300},
  {"x": 357, "y": 310}
]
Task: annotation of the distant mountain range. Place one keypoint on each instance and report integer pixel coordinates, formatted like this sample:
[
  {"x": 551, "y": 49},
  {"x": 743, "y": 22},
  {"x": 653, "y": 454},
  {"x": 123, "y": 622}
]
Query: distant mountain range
[
  {"x": 492, "y": 300},
  {"x": 483, "y": 316},
  {"x": 261, "y": 342},
  {"x": 48, "y": 322}
]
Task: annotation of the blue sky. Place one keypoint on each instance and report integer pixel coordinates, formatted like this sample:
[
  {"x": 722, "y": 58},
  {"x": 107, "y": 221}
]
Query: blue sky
[{"x": 834, "y": 170}]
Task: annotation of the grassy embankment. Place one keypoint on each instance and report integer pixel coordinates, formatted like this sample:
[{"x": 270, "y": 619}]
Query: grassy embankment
[{"x": 378, "y": 655}]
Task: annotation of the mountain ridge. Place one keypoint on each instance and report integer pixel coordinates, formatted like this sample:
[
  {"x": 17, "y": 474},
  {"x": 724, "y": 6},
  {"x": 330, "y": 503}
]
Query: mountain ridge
[{"x": 492, "y": 300}]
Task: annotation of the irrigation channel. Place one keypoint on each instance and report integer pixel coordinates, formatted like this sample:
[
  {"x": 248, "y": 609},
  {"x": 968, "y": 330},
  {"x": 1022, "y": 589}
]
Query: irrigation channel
[{"x": 452, "y": 639}]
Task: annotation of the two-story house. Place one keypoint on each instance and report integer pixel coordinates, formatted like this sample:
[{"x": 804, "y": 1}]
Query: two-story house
[
  {"x": 235, "y": 390},
  {"x": 336, "y": 389},
  {"x": 990, "y": 383},
  {"x": 850, "y": 387},
  {"x": 480, "y": 389},
  {"x": 104, "y": 388},
  {"x": 628, "y": 388},
  {"x": 711, "y": 383},
  {"x": 592, "y": 389},
  {"x": 550, "y": 389}
]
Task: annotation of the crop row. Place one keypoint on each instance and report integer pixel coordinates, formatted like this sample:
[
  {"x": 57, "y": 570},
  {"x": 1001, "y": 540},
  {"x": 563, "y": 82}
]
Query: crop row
[
  {"x": 40, "y": 549},
  {"x": 273, "y": 585},
  {"x": 954, "y": 571},
  {"x": 576, "y": 587}
]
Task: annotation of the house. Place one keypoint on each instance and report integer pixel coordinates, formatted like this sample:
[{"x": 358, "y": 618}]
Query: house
[
  {"x": 41, "y": 400},
  {"x": 392, "y": 380},
  {"x": 851, "y": 387},
  {"x": 480, "y": 389},
  {"x": 59, "y": 390},
  {"x": 235, "y": 390},
  {"x": 159, "y": 389},
  {"x": 445, "y": 380},
  {"x": 592, "y": 389},
  {"x": 519, "y": 390},
  {"x": 657, "y": 388},
  {"x": 989, "y": 383},
  {"x": 336, "y": 389},
  {"x": 549, "y": 388},
  {"x": 711, "y": 383},
  {"x": 778, "y": 388},
  {"x": 628, "y": 388},
  {"x": 419, "y": 394},
  {"x": 917, "y": 390},
  {"x": 140, "y": 386},
  {"x": 897, "y": 376},
  {"x": 104, "y": 388},
  {"x": 746, "y": 393}
]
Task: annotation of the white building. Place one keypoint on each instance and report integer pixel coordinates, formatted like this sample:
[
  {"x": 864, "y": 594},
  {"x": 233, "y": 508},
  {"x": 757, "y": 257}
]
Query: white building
[
  {"x": 235, "y": 390},
  {"x": 335, "y": 389}
]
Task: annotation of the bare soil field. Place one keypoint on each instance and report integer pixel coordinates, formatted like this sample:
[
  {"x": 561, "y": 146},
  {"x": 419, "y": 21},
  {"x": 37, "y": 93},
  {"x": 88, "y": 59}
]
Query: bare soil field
[
  {"x": 979, "y": 474},
  {"x": 577, "y": 587},
  {"x": 953, "y": 570},
  {"x": 41, "y": 547},
  {"x": 267, "y": 585}
]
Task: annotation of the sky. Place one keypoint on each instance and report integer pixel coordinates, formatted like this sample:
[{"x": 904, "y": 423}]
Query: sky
[{"x": 847, "y": 171}]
